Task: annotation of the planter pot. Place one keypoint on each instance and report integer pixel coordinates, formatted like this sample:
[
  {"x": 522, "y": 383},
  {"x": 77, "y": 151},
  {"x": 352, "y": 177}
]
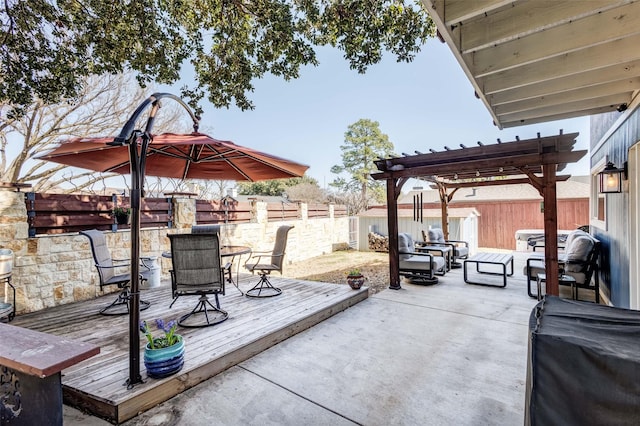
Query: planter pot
[
  {"x": 122, "y": 219},
  {"x": 164, "y": 362},
  {"x": 355, "y": 281},
  {"x": 6, "y": 262}
]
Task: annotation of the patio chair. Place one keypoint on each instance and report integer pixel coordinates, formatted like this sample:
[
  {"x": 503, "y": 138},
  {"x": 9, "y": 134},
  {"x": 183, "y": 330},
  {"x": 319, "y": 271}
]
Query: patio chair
[
  {"x": 273, "y": 262},
  {"x": 212, "y": 229},
  {"x": 198, "y": 271},
  {"x": 435, "y": 236},
  {"x": 418, "y": 267},
  {"x": 205, "y": 229},
  {"x": 579, "y": 260},
  {"x": 110, "y": 273}
]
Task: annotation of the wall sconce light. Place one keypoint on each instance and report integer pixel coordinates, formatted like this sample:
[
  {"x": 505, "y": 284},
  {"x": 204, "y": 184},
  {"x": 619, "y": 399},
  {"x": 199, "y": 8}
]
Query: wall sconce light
[{"x": 611, "y": 179}]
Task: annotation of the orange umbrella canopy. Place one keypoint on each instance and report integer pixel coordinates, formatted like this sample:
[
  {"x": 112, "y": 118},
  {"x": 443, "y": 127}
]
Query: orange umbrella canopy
[{"x": 182, "y": 156}]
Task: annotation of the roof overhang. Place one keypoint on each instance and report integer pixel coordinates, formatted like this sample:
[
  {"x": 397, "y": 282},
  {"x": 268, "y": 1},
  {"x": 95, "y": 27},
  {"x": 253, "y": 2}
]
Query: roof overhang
[{"x": 544, "y": 60}]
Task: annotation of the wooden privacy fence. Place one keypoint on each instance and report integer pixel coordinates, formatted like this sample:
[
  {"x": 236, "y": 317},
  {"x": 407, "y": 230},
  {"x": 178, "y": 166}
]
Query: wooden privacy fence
[
  {"x": 340, "y": 211},
  {"x": 67, "y": 213},
  {"x": 317, "y": 210},
  {"x": 223, "y": 211},
  {"x": 62, "y": 213},
  {"x": 283, "y": 211}
]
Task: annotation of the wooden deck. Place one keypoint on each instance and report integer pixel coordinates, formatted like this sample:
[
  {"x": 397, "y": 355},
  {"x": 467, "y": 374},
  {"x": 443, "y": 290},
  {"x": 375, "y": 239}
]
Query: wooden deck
[{"x": 97, "y": 385}]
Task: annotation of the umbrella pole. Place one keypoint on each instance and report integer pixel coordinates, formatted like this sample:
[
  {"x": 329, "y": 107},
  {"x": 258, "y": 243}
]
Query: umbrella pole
[
  {"x": 137, "y": 160},
  {"x": 134, "y": 303}
]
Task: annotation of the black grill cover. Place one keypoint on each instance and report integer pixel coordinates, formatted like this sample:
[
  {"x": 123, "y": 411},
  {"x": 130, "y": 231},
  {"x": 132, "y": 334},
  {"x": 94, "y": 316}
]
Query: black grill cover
[{"x": 583, "y": 364}]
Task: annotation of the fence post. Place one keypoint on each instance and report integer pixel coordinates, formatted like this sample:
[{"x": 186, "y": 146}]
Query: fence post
[
  {"x": 114, "y": 200},
  {"x": 31, "y": 212}
]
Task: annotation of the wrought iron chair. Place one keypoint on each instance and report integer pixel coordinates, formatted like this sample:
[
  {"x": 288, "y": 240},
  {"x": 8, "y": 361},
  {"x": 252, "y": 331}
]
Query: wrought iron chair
[
  {"x": 110, "y": 273},
  {"x": 273, "y": 262},
  {"x": 198, "y": 271}
]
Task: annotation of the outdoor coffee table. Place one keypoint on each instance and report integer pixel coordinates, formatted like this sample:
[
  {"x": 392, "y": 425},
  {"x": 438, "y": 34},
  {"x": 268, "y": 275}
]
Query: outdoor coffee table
[{"x": 499, "y": 259}]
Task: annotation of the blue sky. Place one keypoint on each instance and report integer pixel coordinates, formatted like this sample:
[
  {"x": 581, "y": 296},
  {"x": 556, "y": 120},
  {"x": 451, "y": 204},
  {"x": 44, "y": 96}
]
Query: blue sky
[{"x": 428, "y": 103}]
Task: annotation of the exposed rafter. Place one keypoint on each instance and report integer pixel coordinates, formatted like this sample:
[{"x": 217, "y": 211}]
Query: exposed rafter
[{"x": 544, "y": 60}]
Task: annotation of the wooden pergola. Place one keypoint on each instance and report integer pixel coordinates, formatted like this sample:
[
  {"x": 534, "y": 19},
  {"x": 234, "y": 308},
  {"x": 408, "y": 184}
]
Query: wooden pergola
[{"x": 534, "y": 161}]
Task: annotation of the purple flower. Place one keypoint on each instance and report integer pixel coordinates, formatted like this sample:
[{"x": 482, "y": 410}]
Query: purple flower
[
  {"x": 169, "y": 338},
  {"x": 171, "y": 324},
  {"x": 160, "y": 324}
]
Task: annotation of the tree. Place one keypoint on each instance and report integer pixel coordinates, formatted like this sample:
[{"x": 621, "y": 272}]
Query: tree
[
  {"x": 306, "y": 192},
  {"x": 100, "y": 108},
  {"x": 274, "y": 187},
  {"x": 364, "y": 143},
  {"x": 49, "y": 47}
]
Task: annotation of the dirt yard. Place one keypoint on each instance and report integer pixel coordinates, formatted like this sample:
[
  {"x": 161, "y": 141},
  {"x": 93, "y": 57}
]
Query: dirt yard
[{"x": 333, "y": 268}]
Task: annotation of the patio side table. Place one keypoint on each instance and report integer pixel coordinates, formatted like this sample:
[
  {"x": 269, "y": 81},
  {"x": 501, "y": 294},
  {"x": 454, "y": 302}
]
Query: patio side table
[{"x": 562, "y": 280}]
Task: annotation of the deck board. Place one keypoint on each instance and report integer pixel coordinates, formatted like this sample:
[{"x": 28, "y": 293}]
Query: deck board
[{"x": 96, "y": 384}]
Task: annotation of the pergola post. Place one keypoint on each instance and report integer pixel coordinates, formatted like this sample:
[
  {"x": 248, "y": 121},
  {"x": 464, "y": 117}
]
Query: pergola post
[
  {"x": 392, "y": 226},
  {"x": 550, "y": 228}
]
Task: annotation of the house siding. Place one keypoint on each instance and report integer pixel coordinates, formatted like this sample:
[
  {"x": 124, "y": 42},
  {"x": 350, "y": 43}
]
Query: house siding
[{"x": 614, "y": 268}]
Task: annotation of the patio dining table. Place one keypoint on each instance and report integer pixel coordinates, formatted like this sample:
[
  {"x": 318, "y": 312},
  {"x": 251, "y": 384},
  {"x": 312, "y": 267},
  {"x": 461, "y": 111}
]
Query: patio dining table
[{"x": 227, "y": 251}]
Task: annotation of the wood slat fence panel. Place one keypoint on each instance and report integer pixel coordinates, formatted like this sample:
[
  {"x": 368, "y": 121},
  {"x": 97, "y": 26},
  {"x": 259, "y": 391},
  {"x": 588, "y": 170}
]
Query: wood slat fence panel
[
  {"x": 282, "y": 211},
  {"x": 223, "y": 211},
  {"x": 340, "y": 211},
  {"x": 317, "y": 210},
  {"x": 66, "y": 213}
]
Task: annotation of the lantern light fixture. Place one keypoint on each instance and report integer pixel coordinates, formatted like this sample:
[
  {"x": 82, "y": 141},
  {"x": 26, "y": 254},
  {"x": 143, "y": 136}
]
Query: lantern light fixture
[{"x": 610, "y": 179}]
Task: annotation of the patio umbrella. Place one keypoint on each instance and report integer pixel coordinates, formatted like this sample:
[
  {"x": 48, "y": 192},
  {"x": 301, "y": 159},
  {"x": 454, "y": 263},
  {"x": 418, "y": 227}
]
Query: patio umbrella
[
  {"x": 190, "y": 156},
  {"x": 182, "y": 156}
]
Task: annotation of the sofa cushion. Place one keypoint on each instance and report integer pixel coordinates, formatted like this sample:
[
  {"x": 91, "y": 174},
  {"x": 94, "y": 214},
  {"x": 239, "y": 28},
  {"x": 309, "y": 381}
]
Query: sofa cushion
[{"x": 436, "y": 235}]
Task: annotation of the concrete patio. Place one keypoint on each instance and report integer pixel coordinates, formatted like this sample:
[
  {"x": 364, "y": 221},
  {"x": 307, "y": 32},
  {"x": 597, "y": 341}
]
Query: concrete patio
[{"x": 451, "y": 353}]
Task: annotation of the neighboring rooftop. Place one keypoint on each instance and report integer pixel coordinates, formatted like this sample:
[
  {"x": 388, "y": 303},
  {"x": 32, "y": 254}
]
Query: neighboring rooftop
[{"x": 578, "y": 187}]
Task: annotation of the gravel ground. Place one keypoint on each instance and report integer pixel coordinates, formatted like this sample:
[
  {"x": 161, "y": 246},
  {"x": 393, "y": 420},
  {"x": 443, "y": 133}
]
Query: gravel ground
[{"x": 333, "y": 268}]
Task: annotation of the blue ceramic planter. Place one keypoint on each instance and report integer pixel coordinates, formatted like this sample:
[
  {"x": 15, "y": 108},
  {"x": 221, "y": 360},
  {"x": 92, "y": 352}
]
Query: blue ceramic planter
[{"x": 164, "y": 362}]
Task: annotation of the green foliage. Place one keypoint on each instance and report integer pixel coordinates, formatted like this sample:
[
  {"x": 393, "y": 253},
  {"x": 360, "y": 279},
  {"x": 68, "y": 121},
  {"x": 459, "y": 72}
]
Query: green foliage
[
  {"x": 121, "y": 211},
  {"x": 275, "y": 187},
  {"x": 355, "y": 272},
  {"x": 169, "y": 338},
  {"x": 364, "y": 143},
  {"x": 50, "y": 46}
]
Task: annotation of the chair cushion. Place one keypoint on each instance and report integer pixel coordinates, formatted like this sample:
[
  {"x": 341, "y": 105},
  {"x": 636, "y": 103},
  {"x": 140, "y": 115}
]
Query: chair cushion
[
  {"x": 421, "y": 263},
  {"x": 461, "y": 251},
  {"x": 579, "y": 249},
  {"x": 436, "y": 235},
  {"x": 405, "y": 246},
  {"x": 573, "y": 235},
  {"x": 537, "y": 267}
]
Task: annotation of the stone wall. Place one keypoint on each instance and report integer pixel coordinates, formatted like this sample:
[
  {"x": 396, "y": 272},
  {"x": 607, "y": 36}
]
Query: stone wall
[{"x": 51, "y": 270}]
